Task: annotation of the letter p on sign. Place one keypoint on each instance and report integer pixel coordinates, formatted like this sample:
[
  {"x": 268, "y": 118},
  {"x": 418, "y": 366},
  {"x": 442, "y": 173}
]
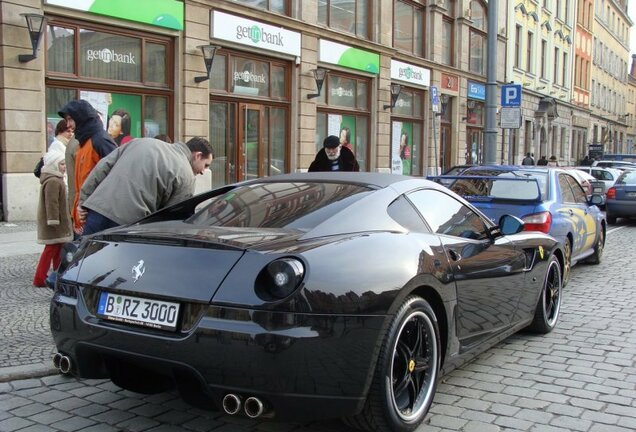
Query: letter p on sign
[{"x": 511, "y": 95}]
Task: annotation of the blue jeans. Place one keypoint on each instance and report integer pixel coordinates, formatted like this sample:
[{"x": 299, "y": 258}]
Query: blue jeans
[{"x": 96, "y": 222}]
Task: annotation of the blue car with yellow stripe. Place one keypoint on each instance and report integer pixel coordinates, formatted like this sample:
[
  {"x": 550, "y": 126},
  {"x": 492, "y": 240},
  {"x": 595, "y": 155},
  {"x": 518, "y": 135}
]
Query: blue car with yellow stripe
[{"x": 547, "y": 199}]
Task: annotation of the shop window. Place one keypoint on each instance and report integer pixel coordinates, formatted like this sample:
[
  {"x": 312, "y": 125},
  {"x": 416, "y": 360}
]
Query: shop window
[
  {"x": 61, "y": 49},
  {"x": 105, "y": 55},
  {"x": 154, "y": 120},
  {"x": 154, "y": 63},
  {"x": 351, "y": 16},
  {"x": 351, "y": 128},
  {"x": 408, "y": 27},
  {"x": 406, "y": 133},
  {"x": 248, "y": 76},
  {"x": 278, "y": 6},
  {"x": 108, "y": 56},
  {"x": 343, "y": 110}
]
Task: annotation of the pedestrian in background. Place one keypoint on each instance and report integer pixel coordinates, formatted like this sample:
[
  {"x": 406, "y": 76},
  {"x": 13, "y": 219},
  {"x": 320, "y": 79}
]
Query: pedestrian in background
[
  {"x": 528, "y": 160},
  {"x": 334, "y": 157},
  {"x": 94, "y": 144},
  {"x": 64, "y": 131},
  {"x": 140, "y": 178},
  {"x": 542, "y": 161},
  {"x": 553, "y": 161},
  {"x": 345, "y": 138},
  {"x": 53, "y": 221}
]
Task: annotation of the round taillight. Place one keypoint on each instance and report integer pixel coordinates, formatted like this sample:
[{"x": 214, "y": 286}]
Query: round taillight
[{"x": 279, "y": 279}]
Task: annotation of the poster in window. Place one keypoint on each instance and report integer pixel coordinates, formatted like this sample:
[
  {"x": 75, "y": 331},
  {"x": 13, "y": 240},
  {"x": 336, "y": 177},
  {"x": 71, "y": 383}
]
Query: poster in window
[{"x": 396, "y": 161}]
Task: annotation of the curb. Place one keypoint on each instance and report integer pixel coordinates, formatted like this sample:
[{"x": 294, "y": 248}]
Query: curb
[{"x": 34, "y": 370}]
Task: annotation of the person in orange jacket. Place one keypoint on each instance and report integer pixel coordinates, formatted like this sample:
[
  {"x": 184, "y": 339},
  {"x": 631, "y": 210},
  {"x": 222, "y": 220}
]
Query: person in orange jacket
[{"x": 94, "y": 144}]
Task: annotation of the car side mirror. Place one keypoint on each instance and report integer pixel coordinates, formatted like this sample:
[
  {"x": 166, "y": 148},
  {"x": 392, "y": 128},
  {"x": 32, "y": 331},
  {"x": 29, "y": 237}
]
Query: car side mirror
[{"x": 509, "y": 224}]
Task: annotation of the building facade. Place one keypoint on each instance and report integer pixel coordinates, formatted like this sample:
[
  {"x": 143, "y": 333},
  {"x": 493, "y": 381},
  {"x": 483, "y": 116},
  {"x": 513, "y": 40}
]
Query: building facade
[
  {"x": 261, "y": 107},
  {"x": 610, "y": 70}
]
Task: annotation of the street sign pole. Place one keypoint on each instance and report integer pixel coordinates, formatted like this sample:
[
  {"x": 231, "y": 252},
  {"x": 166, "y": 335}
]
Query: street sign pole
[
  {"x": 490, "y": 131},
  {"x": 435, "y": 110}
]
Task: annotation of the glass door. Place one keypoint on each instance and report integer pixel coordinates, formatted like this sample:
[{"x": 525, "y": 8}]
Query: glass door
[
  {"x": 250, "y": 142},
  {"x": 445, "y": 147},
  {"x": 473, "y": 146}
]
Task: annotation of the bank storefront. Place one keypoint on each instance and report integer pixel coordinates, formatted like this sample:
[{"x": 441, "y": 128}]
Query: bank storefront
[
  {"x": 121, "y": 60},
  {"x": 250, "y": 97},
  {"x": 116, "y": 69},
  {"x": 408, "y": 118}
]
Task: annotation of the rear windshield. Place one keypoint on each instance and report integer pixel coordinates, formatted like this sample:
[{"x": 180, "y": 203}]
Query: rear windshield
[
  {"x": 278, "y": 205},
  {"x": 506, "y": 185},
  {"x": 628, "y": 177}
]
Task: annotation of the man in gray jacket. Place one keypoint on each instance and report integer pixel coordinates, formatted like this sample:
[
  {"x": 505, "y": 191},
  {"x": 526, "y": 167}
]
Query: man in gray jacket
[{"x": 140, "y": 178}]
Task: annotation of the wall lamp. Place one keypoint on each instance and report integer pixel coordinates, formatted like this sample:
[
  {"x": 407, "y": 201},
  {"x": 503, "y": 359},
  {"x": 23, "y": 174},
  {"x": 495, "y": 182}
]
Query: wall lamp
[
  {"x": 319, "y": 76},
  {"x": 208, "y": 57},
  {"x": 35, "y": 23},
  {"x": 395, "y": 94},
  {"x": 443, "y": 100}
]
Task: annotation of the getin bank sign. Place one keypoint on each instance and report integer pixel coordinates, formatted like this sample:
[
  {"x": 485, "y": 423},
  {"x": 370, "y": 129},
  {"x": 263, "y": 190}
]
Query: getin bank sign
[{"x": 253, "y": 33}]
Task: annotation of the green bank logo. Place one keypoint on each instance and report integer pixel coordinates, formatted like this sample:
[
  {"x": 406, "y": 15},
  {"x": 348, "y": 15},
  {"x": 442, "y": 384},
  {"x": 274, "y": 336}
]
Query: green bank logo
[
  {"x": 409, "y": 73},
  {"x": 258, "y": 35}
]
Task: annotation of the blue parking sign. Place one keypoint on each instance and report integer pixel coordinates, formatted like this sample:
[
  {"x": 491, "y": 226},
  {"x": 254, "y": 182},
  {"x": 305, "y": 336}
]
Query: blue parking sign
[{"x": 511, "y": 95}]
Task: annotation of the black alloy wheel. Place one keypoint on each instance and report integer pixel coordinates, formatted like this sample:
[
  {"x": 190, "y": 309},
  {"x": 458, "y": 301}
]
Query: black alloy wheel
[
  {"x": 406, "y": 375},
  {"x": 548, "y": 307}
]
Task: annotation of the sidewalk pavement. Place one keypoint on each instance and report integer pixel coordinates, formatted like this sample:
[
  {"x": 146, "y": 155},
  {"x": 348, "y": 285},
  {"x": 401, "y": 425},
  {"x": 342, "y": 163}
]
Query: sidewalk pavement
[{"x": 24, "y": 327}]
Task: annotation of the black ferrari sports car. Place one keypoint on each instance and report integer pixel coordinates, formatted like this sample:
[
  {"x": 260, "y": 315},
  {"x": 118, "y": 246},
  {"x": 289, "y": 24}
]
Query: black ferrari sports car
[{"x": 303, "y": 296}]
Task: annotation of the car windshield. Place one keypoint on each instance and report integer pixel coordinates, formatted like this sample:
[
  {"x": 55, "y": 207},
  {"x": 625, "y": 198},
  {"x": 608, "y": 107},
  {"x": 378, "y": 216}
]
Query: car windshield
[
  {"x": 297, "y": 205},
  {"x": 506, "y": 186}
]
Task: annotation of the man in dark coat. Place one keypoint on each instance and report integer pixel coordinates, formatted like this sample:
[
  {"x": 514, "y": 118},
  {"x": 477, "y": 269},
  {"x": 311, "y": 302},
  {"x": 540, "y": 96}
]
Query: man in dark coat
[
  {"x": 334, "y": 157},
  {"x": 542, "y": 161},
  {"x": 94, "y": 144}
]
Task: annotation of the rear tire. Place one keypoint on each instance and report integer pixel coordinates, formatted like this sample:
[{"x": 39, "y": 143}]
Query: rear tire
[
  {"x": 597, "y": 256},
  {"x": 548, "y": 307},
  {"x": 406, "y": 375},
  {"x": 610, "y": 219}
]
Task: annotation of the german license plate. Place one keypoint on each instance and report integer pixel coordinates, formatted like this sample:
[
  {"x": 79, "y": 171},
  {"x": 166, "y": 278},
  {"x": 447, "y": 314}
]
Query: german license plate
[
  {"x": 139, "y": 311},
  {"x": 631, "y": 194}
]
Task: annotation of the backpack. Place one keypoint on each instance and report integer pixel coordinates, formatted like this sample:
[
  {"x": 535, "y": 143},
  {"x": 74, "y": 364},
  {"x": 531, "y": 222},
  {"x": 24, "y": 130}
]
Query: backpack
[{"x": 37, "y": 171}]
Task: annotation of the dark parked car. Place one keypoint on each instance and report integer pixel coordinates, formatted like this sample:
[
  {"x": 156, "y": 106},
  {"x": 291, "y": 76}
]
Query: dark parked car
[
  {"x": 303, "y": 296},
  {"x": 621, "y": 198},
  {"x": 547, "y": 199}
]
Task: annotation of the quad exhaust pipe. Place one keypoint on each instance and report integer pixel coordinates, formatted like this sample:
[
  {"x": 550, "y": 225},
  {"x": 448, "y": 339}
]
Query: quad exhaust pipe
[
  {"x": 232, "y": 403},
  {"x": 62, "y": 362},
  {"x": 253, "y": 407}
]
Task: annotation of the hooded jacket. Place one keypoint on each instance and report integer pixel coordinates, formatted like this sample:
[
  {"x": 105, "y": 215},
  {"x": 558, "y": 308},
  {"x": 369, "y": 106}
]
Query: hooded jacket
[
  {"x": 94, "y": 144},
  {"x": 347, "y": 161},
  {"x": 54, "y": 224}
]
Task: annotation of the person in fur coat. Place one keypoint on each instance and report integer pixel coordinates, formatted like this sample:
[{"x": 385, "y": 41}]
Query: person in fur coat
[{"x": 53, "y": 218}]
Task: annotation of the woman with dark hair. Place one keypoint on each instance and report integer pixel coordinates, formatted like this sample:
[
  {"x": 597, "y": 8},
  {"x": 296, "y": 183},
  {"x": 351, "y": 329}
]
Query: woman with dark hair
[{"x": 119, "y": 125}]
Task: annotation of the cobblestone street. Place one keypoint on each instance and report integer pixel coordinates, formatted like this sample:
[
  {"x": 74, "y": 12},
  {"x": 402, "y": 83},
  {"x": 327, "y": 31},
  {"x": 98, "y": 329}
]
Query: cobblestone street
[{"x": 580, "y": 377}]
